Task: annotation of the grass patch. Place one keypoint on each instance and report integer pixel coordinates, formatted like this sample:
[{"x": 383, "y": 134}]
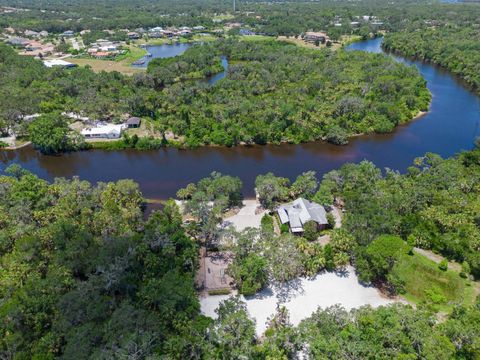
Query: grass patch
[
  {"x": 426, "y": 283},
  {"x": 224, "y": 291}
]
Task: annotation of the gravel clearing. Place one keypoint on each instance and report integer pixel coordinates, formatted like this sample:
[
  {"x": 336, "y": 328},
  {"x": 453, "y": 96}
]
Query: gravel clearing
[{"x": 303, "y": 296}]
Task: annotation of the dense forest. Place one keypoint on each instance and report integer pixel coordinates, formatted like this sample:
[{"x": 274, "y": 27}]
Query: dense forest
[
  {"x": 269, "y": 18},
  {"x": 274, "y": 92},
  {"x": 85, "y": 276},
  {"x": 457, "y": 48}
]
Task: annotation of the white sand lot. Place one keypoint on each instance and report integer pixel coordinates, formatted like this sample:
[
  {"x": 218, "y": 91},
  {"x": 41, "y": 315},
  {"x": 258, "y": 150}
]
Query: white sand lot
[
  {"x": 246, "y": 217},
  {"x": 303, "y": 296}
]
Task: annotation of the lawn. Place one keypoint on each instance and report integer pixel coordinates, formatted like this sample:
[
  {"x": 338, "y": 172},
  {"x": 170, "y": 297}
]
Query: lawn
[
  {"x": 121, "y": 64},
  {"x": 426, "y": 283}
]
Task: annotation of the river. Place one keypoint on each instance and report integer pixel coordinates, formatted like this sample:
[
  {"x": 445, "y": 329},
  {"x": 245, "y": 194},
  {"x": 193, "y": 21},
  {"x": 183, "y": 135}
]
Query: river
[{"x": 449, "y": 127}]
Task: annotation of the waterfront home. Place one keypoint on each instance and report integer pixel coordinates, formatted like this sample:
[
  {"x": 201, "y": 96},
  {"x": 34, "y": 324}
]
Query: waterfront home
[
  {"x": 133, "y": 122},
  {"x": 104, "y": 131},
  {"x": 297, "y": 213}
]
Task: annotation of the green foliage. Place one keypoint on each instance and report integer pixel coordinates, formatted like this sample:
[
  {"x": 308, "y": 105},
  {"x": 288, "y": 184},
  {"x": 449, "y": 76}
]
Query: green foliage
[
  {"x": 267, "y": 224},
  {"x": 310, "y": 230},
  {"x": 454, "y": 47},
  {"x": 51, "y": 135},
  {"x": 434, "y": 205},
  {"x": 443, "y": 265},
  {"x": 84, "y": 275},
  {"x": 378, "y": 259},
  {"x": 284, "y": 229},
  {"x": 271, "y": 190},
  {"x": 331, "y": 220},
  {"x": 331, "y": 103}
]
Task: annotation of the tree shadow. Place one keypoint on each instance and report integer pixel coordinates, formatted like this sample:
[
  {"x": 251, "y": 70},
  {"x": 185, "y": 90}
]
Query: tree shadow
[
  {"x": 262, "y": 294},
  {"x": 289, "y": 290}
]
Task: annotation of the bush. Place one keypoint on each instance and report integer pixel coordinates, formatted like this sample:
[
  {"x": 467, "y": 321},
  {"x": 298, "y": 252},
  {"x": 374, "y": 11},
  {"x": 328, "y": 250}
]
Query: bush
[
  {"x": 443, "y": 265},
  {"x": 267, "y": 224},
  {"x": 465, "y": 270},
  {"x": 284, "y": 229},
  {"x": 224, "y": 291},
  {"x": 331, "y": 220},
  {"x": 310, "y": 231}
]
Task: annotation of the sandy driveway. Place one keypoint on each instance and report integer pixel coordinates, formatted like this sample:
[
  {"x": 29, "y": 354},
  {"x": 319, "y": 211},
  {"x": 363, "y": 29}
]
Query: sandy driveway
[
  {"x": 246, "y": 217},
  {"x": 303, "y": 296}
]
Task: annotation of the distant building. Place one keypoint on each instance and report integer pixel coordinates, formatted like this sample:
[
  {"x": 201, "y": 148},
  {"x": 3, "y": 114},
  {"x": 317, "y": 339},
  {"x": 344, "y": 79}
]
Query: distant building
[
  {"x": 68, "y": 33},
  {"x": 133, "y": 122},
  {"x": 59, "y": 63},
  {"x": 311, "y": 36},
  {"x": 301, "y": 211},
  {"x": 133, "y": 35},
  {"x": 246, "y": 32},
  {"x": 18, "y": 42},
  {"x": 107, "y": 131}
]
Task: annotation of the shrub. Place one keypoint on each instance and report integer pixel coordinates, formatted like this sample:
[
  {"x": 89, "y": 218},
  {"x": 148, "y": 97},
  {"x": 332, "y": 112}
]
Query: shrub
[
  {"x": 465, "y": 270},
  {"x": 310, "y": 231},
  {"x": 267, "y": 223},
  {"x": 224, "y": 291},
  {"x": 284, "y": 229},
  {"x": 331, "y": 220},
  {"x": 443, "y": 265}
]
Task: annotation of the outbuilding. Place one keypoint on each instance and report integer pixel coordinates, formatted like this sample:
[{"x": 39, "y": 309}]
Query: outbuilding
[{"x": 133, "y": 122}]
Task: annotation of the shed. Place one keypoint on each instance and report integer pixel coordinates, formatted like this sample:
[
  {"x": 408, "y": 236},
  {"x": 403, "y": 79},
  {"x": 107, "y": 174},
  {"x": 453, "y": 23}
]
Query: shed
[{"x": 133, "y": 122}]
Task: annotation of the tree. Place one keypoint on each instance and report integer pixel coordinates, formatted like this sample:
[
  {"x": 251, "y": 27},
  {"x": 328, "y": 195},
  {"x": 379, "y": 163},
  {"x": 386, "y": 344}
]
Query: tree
[
  {"x": 305, "y": 185},
  {"x": 271, "y": 190},
  {"x": 50, "y": 134}
]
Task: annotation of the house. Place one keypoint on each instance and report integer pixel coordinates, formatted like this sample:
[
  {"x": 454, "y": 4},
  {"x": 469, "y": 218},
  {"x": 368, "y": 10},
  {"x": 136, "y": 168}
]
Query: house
[
  {"x": 104, "y": 131},
  {"x": 18, "y": 42},
  {"x": 133, "y": 35},
  {"x": 301, "y": 211},
  {"x": 133, "y": 122},
  {"x": 68, "y": 33},
  {"x": 311, "y": 36},
  {"x": 59, "y": 63},
  {"x": 246, "y": 32}
]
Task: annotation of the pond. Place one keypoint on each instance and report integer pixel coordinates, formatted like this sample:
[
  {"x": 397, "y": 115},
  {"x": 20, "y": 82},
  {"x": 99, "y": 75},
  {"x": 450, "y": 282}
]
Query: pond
[
  {"x": 163, "y": 51},
  {"x": 451, "y": 126}
]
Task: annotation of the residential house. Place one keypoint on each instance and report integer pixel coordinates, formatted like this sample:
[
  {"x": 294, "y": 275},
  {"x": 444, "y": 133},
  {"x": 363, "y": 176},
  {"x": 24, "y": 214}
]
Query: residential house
[
  {"x": 133, "y": 35},
  {"x": 104, "y": 131},
  {"x": 68, "y": 33},
  {"x": 58, "y": 63},
  {"x": 18, "y": 42},
  {"x": 301, "y": 211},
  {"x": 313, "y": 37}
]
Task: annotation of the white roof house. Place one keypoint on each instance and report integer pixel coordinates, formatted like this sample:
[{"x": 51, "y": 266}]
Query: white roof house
[
  {"x": 301, "y": 211},
  {"x": 58, "y": 62},
  {"x": 108, "y": 131}
]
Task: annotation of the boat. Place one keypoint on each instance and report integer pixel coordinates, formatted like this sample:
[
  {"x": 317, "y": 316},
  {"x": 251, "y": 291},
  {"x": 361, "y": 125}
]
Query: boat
[
  {"x": 149, "y": 55},
  {"x": 139, "y": 62}
]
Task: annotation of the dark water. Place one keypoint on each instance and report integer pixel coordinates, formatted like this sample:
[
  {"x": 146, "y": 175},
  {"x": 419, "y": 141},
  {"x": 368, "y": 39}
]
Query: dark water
[
  {"x": 163, "y": 51},
  {"x": 449, "y": 127}
]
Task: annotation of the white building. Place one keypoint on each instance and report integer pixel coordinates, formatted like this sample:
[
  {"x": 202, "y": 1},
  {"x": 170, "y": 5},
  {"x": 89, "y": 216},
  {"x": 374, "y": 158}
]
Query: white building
[
  {"x": 58, "y": 62},
  {"x": 105, "y": 131}
]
